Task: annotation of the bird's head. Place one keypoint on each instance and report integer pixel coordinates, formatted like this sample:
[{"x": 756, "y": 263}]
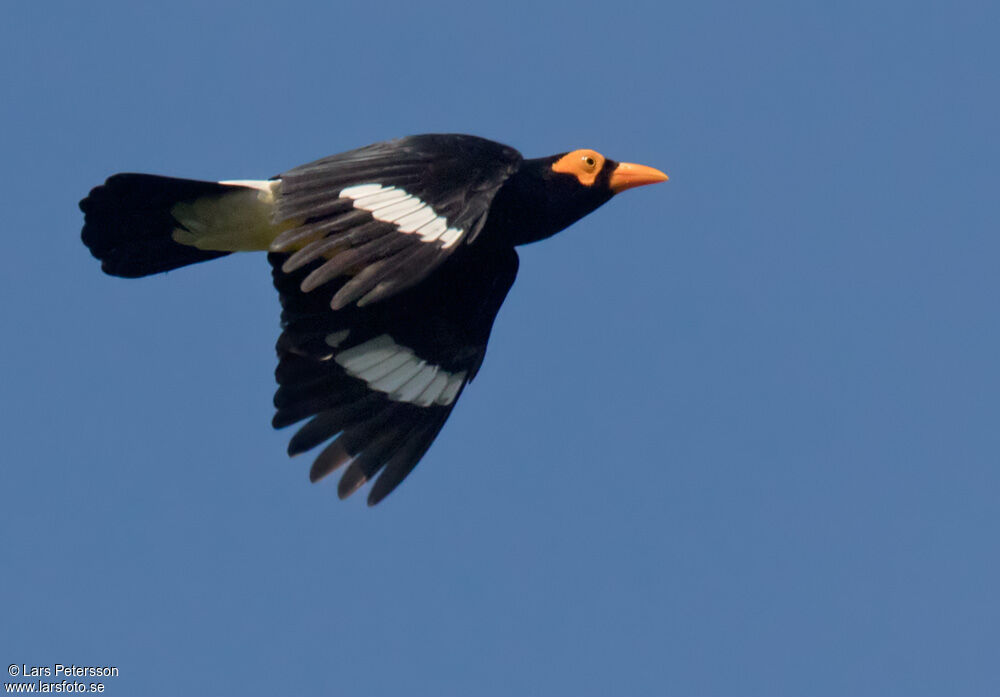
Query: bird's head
[
  {"x": 593, "y": 171},
  {"x": 563, "y": 188}
]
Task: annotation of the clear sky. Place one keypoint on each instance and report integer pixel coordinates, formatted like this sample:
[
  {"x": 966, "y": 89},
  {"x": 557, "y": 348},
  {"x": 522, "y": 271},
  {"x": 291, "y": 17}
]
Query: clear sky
[{"x": 736, "y": 434}]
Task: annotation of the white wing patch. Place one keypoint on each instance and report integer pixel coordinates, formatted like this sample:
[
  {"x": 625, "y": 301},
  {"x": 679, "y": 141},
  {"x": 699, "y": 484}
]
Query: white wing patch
[
  {"x": 399, "y": 373},
  {"x": 411, "y": 215}
]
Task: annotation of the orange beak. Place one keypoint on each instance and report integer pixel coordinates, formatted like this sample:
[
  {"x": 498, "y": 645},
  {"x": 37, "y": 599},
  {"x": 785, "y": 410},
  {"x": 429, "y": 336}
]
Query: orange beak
[{"x": 628, "y": 175}]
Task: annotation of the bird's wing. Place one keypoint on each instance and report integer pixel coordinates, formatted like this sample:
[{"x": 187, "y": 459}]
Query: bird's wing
[
  {"x": 382, "y": 379},
  {"x": 388, "y": 214}
]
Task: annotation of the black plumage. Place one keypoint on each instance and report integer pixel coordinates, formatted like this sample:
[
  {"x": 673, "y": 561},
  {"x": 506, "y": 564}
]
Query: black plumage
[
  {"x": 128, "y": 223},
  {"x": 391, "y": 262}
]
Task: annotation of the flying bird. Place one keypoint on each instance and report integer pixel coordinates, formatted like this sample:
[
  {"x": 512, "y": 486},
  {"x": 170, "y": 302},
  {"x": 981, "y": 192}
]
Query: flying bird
[{"x": 391, "y": 262}]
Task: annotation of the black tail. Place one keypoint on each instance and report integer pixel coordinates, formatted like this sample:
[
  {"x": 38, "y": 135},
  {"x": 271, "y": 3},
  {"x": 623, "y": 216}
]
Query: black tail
[{"x": 128, "y": 223}]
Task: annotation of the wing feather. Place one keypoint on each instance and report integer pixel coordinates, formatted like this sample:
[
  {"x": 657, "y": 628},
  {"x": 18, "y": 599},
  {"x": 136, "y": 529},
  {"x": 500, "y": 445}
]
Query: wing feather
[
  {"x": 387, "y": 215},
  {"x": 379, "y": 381}
]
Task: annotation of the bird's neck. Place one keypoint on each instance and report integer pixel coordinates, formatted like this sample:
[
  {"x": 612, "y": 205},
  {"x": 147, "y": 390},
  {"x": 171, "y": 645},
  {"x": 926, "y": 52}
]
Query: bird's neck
[{"x": 533, "y": 205}]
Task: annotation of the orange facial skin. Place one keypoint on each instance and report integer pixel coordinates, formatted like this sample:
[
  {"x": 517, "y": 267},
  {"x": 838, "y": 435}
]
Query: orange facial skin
[
  {"x": 586, "y": 164},
  {"x": 583, "y": 164}
]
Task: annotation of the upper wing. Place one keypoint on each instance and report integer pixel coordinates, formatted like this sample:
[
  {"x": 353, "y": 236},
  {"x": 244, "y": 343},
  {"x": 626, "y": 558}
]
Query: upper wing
[
  {"x": 387, "y": 214},
  {"x": 383, "y": 378}
]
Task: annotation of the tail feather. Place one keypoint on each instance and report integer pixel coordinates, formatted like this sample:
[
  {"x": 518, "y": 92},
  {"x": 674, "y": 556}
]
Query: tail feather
[{"x": 141, "y": 224}]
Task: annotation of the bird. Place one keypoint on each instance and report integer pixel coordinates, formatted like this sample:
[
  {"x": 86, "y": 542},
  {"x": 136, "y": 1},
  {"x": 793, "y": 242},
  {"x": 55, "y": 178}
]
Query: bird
[{"x": 391, "y": 262}]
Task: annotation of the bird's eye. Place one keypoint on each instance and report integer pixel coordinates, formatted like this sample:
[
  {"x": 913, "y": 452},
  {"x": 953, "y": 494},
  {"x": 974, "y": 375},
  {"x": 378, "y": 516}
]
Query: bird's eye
[{"x": 582, "y": 164}]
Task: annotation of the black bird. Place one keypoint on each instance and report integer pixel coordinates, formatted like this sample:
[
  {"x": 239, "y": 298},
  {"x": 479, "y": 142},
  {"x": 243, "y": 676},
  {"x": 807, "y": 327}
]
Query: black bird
[{"x": 391, "y": 261}]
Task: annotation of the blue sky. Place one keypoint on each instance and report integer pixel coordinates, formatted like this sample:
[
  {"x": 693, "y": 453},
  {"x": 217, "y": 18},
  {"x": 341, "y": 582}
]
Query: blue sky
[{"x": 735, "y": 434}]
